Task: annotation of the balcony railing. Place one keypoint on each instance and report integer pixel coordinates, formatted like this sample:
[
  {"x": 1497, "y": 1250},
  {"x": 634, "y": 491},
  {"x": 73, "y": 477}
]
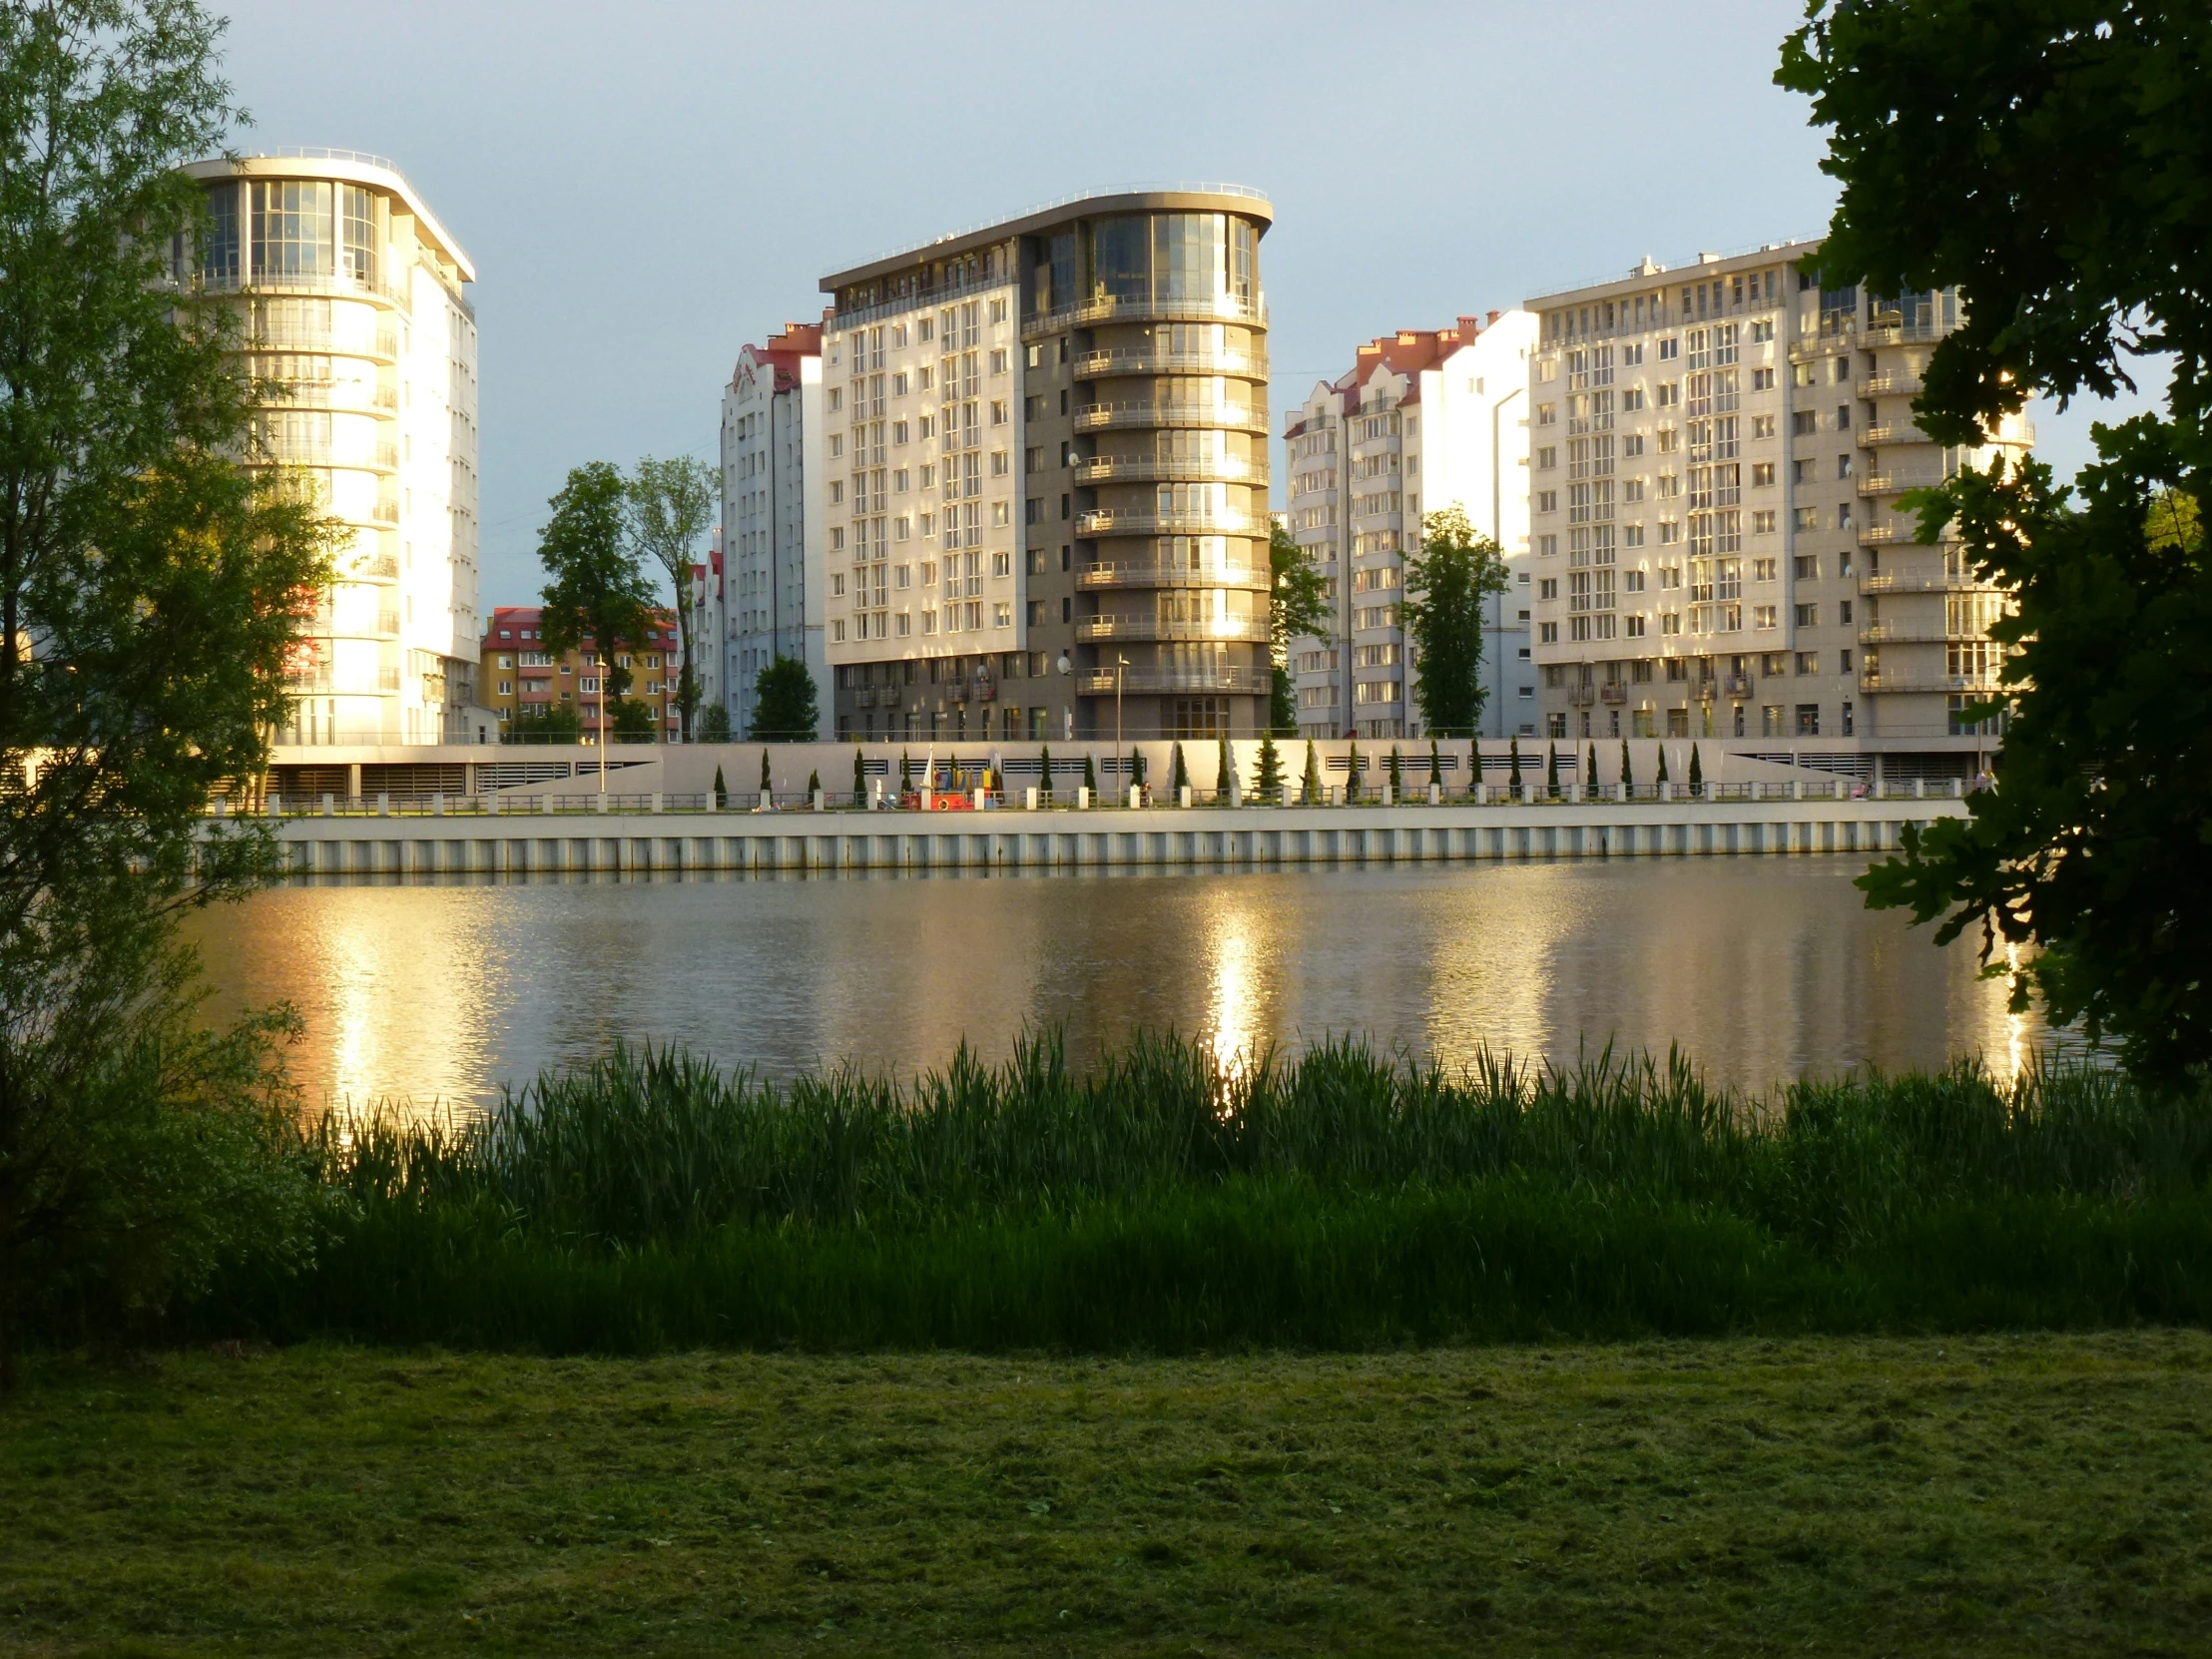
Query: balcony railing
[
  {"x": 1106, "y": 573},
  {"x": 1892, "y": 431},
  {"x": 1890, "y": 386},
  {"x": 1140, "y": 360},
  {"x": 1900, "y": 680},
  {"x": 1933, "y": 581},
  {"x": 315, "y": 282},
  {"x": 381, "y": 567},
  {"x": 1153, "y": 628},
  {"x": 1912, "y": 633},
  {"x": 1239, "y": 418},
  {"x": 1147, "y": 469},
  {"x": 1890, "y": 483},
  {"x": 1154, "y": 681},
  {"x": 1112, "y": 522},
  {"x": 1091, "y": 314}
]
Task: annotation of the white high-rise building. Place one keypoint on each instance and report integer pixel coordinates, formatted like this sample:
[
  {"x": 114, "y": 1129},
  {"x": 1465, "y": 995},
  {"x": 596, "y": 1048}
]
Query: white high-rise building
[
  {"x": 353, "y": 295},
  {"x": 772, "y": 547},
  {"x": 1427, "y": 419}
]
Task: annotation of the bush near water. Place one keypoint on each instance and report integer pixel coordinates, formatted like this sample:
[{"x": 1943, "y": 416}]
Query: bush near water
[{"x": 1158, "y": 1201}]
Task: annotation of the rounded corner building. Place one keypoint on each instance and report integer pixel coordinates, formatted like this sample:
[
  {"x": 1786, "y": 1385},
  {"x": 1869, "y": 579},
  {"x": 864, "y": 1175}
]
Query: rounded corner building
[{"x": 1045, "y": 476}]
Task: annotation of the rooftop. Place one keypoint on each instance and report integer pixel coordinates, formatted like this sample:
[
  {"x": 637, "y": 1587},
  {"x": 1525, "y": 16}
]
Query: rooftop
[{"x": 353, "y": 167}]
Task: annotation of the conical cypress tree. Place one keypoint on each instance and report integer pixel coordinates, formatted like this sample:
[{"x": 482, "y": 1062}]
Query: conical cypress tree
[
  {"x": 1225, "y": 771},
  {"x": 1351, "y": 773},
  {"x": 1310, "y": 784},
  {"x": 1589, "y": 775},
  {"x": 1435, "y": 762},
  {"x": 1627, "y": 781},
  {"x": 1179, "y": 777},
  {"x": 1697, "y": 772},
  {"x": 1090, "y": 774},
  {"x": 905, "y": 771},
  {"x": 1397, "y": 776},
  {"x": 1662, "y": 763},
  {"x": 814, "y": 784},
  {"x": 859, "y": 775},
  {"x": 1551, "y": 772},
  {"x": 765, "y": 786},
  {"x": 722, "y": 791},
  {"x": 1136, "y": 767},
  {"x": 1512, "y": 776},
  {"x": 1045, "y": 768},
  {"x": 1269, "y": 781}
]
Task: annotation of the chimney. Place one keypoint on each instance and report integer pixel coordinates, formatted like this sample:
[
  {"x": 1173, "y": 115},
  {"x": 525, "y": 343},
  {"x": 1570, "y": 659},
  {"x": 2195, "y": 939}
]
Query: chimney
[{"x": 1494, "y": 316}]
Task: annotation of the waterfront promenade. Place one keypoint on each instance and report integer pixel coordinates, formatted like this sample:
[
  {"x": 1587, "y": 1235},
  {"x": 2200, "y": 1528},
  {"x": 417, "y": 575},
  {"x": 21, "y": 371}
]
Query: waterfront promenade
[{"x": 566, "y": 833}]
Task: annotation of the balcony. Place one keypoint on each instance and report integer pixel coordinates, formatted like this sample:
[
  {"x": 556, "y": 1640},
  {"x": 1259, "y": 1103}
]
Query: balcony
[
  {"x": 1582, "y": 696},
  {"x": 1914, "y": 632},
  {"x": 1155, "y": 681},
  {"x": 1110, "y": 522},
  {"x": 1892, "y": 431},
  {"x": 1737, "y": 685},
  {"x": 1146, "y": 574},
  {"x": 1890, "y": 386},
  {"x": 381, "y": 567},
  {"x": 1150, "y": 469},
  {"x": 1235, "y": 417},
  {"x": 321, "y": 283},
  {"x": 384, "y": 346},
  {"x": 1143, "y": 359},
  {"x": 1612, "y": 693},
  {"x": 1152, "y": 628}
]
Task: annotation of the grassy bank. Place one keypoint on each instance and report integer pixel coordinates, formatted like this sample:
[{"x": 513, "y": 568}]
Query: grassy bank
[
  {"x": 1158, "y": 1203},
  {"x": 1840, "y": 1495}
]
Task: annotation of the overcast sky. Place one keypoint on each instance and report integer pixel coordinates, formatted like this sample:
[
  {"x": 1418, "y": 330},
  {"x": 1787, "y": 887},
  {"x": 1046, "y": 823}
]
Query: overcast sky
[{"x": 645, "y": 186}]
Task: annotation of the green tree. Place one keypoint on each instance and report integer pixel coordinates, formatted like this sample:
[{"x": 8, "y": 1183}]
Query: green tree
[
  {"x": 1310, "y": 783},
  {"x": 1397, "y": 776},
  {"x": 1512, "y": 774},
  {"x": 1267, "y": 783},
  {"x": 1628, "y": 781},
  {"x": 1225, "y": 772},
  {"x": 1045, "y": 769},
  {"x": 1589, "y": 773},
  {"x": 1662, "y": 763},
  {"x": 1090, "y": 774},
  {"x": 151, "y": 593},
  {"x": 1447, "y": 580},
  {"x": 671, "y": 506},
  {"x": 1697, "y": 772},
  {"x": 784, "y": 708},
  {"x": 633, "y": 720},
  {"x": 712, "y": 725},
  {"x": 2049, "y": 160},
  {"x": 814, "y": 784},
  {"x": 767, "y": 786},
  {"x": 1179, "y": 774},
  {"x": 1351, "y": 773},
  {"x": 860, "y": 775},
  {"x": 1298, "y": 607},
  {"x": 594, "y": 589},
  {"x": 1435, "y": 764},
  {"x": 722, "y": 791},
  {"x": 1551, "y": 771},
  {"x": 906, "y": 772},
  {"x": 550, "y": 722}
]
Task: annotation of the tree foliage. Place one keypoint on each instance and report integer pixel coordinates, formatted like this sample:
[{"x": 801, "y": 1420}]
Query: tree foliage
[
  {"x": 1447, "y": 579},
  {"x": 2048, "y": 158},
  {"x": 671, "y": 506},
  {"x": 594, "y": 587},
  {"x": 784, "y": 706},
  {"x": 1298, "y": 607},
  {"x": 150, "y": 593}
]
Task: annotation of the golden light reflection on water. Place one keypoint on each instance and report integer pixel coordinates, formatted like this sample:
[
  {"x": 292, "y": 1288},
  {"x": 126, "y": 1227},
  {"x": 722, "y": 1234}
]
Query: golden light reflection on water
[{"x": 1762, "y": 969}]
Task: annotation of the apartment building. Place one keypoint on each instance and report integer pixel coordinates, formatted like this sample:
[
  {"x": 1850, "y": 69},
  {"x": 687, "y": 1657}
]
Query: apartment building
[
  {"x": 772, "y": 546},
  {"x": 1043, "y": 483},
  {"x": 352, "y": 297},
  {"x": 1716, "y": 459},
  {"x": 1425, "y": 420},
  {"x": 710, "y": 631},
  {"x": 521, "y": 677}
]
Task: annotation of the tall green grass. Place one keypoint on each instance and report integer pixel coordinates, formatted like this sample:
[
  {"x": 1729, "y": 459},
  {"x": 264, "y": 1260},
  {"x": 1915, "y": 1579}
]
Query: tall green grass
[{"x": 1159, "y": 1200}]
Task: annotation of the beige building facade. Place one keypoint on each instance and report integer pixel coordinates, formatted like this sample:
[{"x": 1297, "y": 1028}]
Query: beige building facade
[
  {"x": 1043, "y": 487},
  {"x": 1717, "y": 454}
]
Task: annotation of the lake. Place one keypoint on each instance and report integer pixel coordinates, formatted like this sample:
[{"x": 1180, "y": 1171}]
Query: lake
[{"x": 1761, "y": 969}]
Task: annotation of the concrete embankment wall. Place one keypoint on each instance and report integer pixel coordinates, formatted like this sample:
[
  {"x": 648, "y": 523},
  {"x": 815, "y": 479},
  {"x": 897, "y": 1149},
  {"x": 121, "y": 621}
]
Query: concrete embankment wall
[{"x": 516, "y": 843}]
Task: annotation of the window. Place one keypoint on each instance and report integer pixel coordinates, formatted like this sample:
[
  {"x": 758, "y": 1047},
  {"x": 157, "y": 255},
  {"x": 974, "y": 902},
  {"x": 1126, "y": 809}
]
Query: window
[
  {"x": 1843, "y": 516},
  {"x": 1808, "y": 719},
  {"x": 1002, "y": 463},
  {"x": 1762, "y": 329},
  {"x": 1546, "y": 458},
  {"x": 837, "y": 630},
  {"x": 1763, "y": 616},
  {"x": 1548, "y": 588},
  {"x": 1762, "y": 379},
  {"x": 1762, "y": 521},
  {"x": 1808, "y": 616},
  {"x": 1843, "y": 417},
  {"x": 1842, "y": 466},
  {"x": 837, "y": 585},
  {"x": 1002, "y": 564},
  {"x": 998, "y": 361},
  {"x": 1669, "y": 350},
  {"x": 836, "y": 399},
  {"x": 1635, "y": 627},
  {"x": 1547, "y": 633},
  {"x": 1763, "y": 570},
  {"x": 1804, "y": 424},
  {"x": 1807, "y": 662},
  {"x": 1547, "y": 501},
  {"x": 1547, "y": 415},
  {"x": 1762, "y": 475},
  {"x": 998, "y": 411},
  {"x": 1761, "y": 426},
  {"x": 1805, "y": 518},
  {"x": 1632, "y": 444},
  {"x": 1632, "y": 581},
  {"x": 1003, "y": 614}
]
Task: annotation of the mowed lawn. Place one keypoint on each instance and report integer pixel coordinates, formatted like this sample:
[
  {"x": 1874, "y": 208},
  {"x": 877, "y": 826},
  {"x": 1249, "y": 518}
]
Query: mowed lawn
[{"x": 2032, "y": 1494}]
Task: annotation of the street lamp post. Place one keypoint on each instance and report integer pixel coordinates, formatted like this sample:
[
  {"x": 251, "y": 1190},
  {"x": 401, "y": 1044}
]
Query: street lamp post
[
  {"x": 602, "y": 720},
  {"x": 1120, "y": 663}
]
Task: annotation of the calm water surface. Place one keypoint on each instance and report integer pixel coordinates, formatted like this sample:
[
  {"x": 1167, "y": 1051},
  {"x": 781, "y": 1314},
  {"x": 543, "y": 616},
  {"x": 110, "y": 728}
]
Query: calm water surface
[{"x": 1763, "y": 969}]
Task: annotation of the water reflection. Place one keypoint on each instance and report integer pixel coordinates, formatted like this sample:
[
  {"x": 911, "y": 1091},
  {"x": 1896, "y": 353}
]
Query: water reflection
[{"x": 1761, "y": 969}]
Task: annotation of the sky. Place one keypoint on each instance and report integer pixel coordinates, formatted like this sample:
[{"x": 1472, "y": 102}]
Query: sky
[{"x": 645, "y": 186}]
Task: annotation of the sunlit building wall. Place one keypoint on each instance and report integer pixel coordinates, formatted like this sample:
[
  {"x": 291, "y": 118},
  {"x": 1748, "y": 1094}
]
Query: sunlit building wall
[
  {"x": 1717, "y": 459},
  {"x": 772, "y": 542},
  {"x": 353, "y": 295}
]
